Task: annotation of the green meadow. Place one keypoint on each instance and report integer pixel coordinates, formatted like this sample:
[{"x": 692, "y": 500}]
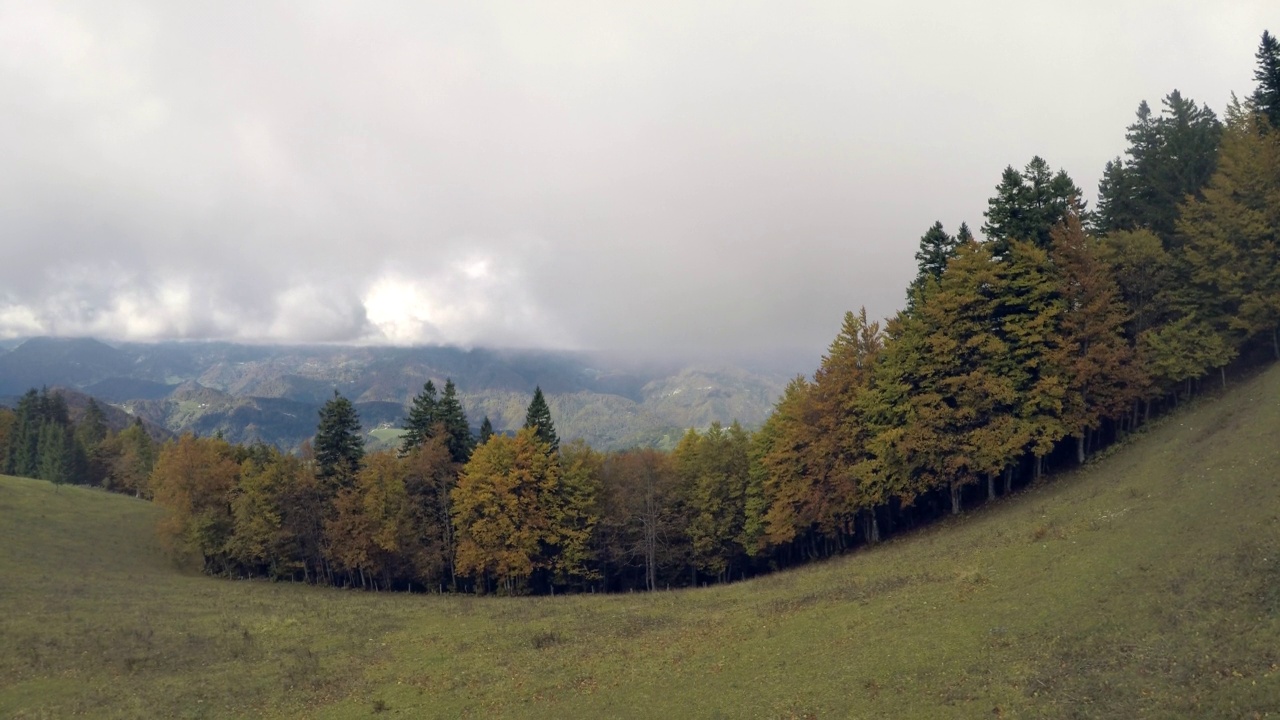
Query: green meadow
[{"x": 1145, "y": 585}]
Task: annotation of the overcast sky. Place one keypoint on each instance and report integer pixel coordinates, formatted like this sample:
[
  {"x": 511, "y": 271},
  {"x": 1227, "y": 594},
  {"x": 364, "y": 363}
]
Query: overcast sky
[{"x": 643, "y": 177}]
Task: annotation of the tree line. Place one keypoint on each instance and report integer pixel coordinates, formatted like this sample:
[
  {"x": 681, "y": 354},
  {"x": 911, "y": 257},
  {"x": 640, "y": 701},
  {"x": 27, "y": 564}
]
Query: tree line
[
  {"x": 1061, "y": 331},
  {"x": 39, "y": 439}
]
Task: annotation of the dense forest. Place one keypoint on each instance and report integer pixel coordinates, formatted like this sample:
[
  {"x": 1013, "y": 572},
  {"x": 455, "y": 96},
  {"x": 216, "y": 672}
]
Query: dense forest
[{"x": 1060, "y": 332}]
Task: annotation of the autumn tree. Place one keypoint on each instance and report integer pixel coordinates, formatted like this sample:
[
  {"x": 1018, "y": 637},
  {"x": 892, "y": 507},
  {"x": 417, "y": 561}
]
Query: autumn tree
[
  {"x": 1231, "y": 250},
  {"x": 503, "y": 510},
  {"x": 713, "y": 469},
  {"x": 639, "y": 520},
  {"x": 265, "y": 538},
  {"x": 430, "y": 477},
  {"x": 575, "y": 515},
  {"x": 1097, "y": 362},
  {"x": 193, "y": 480},
  {"x": 372, "y": 524}
]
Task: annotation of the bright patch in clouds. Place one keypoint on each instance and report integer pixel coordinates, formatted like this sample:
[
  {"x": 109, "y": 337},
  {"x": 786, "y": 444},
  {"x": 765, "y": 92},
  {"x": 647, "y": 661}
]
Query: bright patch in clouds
[{"x": 649, "y": 178}]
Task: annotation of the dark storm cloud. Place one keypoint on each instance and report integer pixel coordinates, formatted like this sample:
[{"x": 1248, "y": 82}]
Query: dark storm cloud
[{"x": 659, "y": 178}]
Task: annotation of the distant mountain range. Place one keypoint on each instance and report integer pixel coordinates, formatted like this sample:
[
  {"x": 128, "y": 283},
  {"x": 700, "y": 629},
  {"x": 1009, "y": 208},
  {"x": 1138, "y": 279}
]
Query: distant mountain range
[{"x": 273, "y": 393}]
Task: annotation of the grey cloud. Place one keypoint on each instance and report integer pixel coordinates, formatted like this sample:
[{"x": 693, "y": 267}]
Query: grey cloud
[{"x": 655, "y": 178}]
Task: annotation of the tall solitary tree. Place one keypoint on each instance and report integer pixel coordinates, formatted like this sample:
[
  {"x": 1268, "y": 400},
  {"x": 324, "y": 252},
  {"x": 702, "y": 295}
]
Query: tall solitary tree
[
  {"x": 339, "y": 445},
  {"x": 538, "y": 417}
]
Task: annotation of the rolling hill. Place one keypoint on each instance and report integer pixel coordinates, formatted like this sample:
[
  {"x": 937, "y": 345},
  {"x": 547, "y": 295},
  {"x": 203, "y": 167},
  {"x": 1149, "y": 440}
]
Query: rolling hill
[
  {"x": 273, "y": 393},
  {"x": 1146, "y": 585}
]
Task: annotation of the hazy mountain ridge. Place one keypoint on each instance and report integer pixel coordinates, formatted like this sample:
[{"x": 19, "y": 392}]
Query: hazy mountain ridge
[{"x": 273, "y": 393}]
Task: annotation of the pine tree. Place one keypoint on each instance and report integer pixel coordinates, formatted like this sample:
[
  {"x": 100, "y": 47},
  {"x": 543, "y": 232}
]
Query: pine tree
[
  {"x": 423, "y": 416},
  {"x": 486, "y": 432},
  {"x": 451, "y": 417},
  {"x": 1266, "y": 97},
  {"x": 538, "y": 417},
  {"x": 339, "y": 446}
]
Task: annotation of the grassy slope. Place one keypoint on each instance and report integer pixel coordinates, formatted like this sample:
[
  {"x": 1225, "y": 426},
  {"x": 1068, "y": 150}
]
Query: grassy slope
[{"x": 1148, "y": 586}]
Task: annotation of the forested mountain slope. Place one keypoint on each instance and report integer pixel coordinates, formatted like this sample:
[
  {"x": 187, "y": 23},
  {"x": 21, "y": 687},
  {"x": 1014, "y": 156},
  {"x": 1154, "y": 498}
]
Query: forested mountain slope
[
  {"x": 1146, "y": 585},
  {"x": 273, "y": 393}
]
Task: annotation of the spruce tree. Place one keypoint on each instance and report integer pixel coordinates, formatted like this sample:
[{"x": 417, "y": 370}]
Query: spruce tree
[
  {"x": 486, "y": 432},
  {"x": 423, "y": 415},
  {"x": 936, "y": 247},
  {"x": 539, "y": 417},
  {"x": 1266, "y": 98},
  {"x": 24, "y": 451},
  {"x": 92, "y": 428},
  {"x": 451, "y": 417},
  {"x": 339, "y": 446},
  {"x": 1028, "y": 204},
  {"x": 57, "y": 453}
]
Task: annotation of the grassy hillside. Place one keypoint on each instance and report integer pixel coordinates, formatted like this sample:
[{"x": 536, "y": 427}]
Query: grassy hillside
[{"x": 1146, "y": 586}]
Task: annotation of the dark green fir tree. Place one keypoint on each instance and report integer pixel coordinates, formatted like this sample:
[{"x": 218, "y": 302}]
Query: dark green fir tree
[
  {"x": 339, "y": 446},
  {"x": 538, "y": 417}
]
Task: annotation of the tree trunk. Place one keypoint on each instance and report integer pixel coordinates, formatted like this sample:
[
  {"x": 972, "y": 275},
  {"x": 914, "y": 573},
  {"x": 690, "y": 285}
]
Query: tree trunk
[
  {"x": 1080, "y": 449},
  {"x": 1275, "y": 341},
  {"x": 1039, "y": 468},
  {"x": 955, "y": 498},
  {"x": 991, "y": 487},
  {"x": 1008, "y": 480},
  {"x": 1223, "y": 371}
]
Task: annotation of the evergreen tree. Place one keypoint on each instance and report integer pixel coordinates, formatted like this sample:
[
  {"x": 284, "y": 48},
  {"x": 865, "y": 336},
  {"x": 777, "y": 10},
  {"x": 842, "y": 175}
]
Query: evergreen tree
[
  {"x": 1170, "y": 156},
  {"x": 451, "y": 417},
  {"x": 486, "y": 431},
  {"x": 1231, "y": 251},
  {"x": 423, "y": 415},
  {"x": 1028, "y": 204},
  {"x": 24, "y": 453},
  {"x": 57, "y": 454},
  {"x": 1117, "y": 207},
  {"x": 538, "y": 417},
  {"x": 1266, "y": 97},
  {"x": 936, "y": 247},
  {"x": 92, "y": 428},
  {"x": 339, "y": 446}
]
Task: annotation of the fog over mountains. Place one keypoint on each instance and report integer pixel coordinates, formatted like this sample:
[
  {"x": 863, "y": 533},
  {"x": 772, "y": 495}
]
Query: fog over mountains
[{"x": 273, "y": 392}]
